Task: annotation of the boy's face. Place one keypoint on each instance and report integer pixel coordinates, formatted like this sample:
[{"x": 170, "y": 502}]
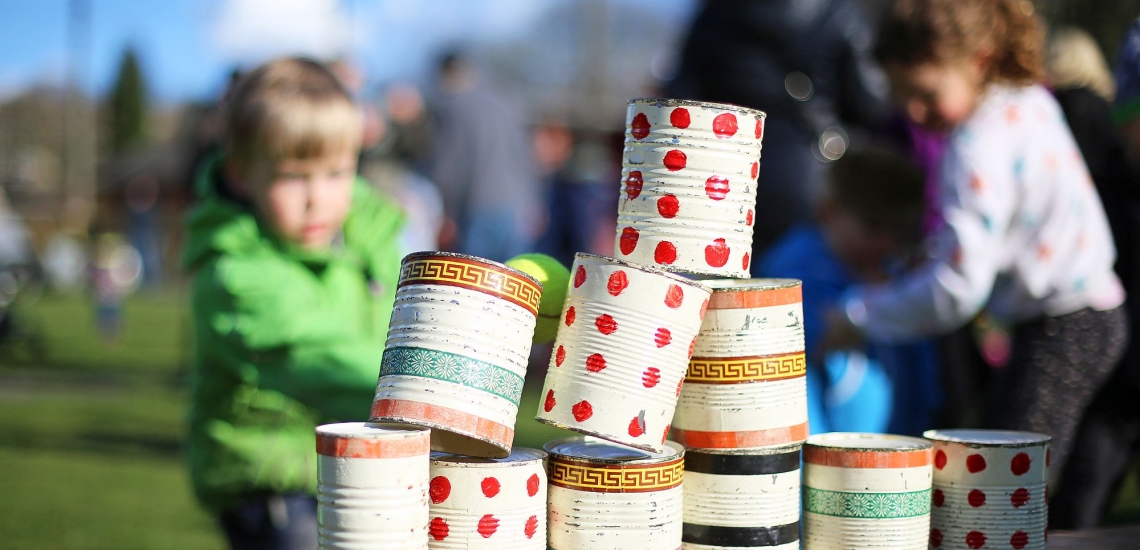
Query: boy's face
[
  {"x": 304, "y": 201},
  {"x": 864, "y": 250}
]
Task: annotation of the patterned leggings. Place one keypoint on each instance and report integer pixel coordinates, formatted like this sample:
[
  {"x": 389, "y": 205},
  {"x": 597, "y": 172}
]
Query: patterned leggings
[{"x": 1058, "y": 364}]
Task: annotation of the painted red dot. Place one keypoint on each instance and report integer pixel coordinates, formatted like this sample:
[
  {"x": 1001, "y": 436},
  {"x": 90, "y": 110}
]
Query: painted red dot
[
  {"x": 692, "y": 345},
  {"x": 724, "y": 125},
  {"x": 975, "y": 463},
  {"x": 636, "y": 427},
  {"x": 680, "y": 385},
  {"x": 490, "y": 487},
  {"x": 651, "y": 377},
  {"x": 674, "y": 296},
  {"x": 559, "y": 356},
  {"x": 1019, "y": 497},
  {"x": 745, "y": 262},
  {"x": 975, "y": 539},
  {"x": 628, "y": 241},
  {"x": 531, "y": 526},
  {"x": 675, "y": 160},
  {"x": 579, "y": 276},
  {"x": 595, "y": 362},
  {"x": 1019, "y": 539},
  {"x": 748, "y": 218},
  {"x": 438, "y": 528},
  {"x": 439, "y": 489},
  {"x": 639, "y": 127},
  {"x": 665, "y": 253},
  {"x": 716, "y": 187},
  {"x": 606, "y": 325},
  {"x": 940, "y": 460},
  {"x": 633, "y": 184},
  {"x": 571, "y": 314},
  {"x": 548, "y": 405},
  {"x": 938, "y": 498},
  {"x": 582, "y": 411},
  {"x": 704, "y": 308},
  {"x": 759, "y": 128},
  {"x": 1019, "y": 465},
  {"x": 488, "y": 524},
  {"x": 668, "y": 206},
  {"x": 935, "y": 534},
  {"x": 755, "y": 169},
  {"x": 665, "y": 434},
  {"x": 976, "y": 498},
  {"x": 716, "y": 254},
  {"x": 532, "y": 485},
  {"x": 680, "y": 117},
  {"x": 617, "y": 283},
  {"x": 663, "y": 337}
]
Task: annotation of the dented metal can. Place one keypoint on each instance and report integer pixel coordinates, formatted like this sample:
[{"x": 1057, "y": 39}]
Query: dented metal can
[
  {"x": 372, "y": 486},
  {"x": 604, "y": 496},
  {"x": 457, "y": 351},
  {"x": 688, "y": 195},
  {"x": 622, "y": 348}
]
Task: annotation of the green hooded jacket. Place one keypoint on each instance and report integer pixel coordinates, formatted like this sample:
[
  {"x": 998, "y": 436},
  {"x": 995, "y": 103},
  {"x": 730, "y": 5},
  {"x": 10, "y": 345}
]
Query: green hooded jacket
[{"x": 285, "y": 340}]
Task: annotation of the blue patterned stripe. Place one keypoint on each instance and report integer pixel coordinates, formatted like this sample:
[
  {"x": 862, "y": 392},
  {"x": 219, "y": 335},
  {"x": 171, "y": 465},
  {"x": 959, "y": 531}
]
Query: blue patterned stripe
[
  {"x": 867, "y": 505},
  {"x": 450, "y": 367}
]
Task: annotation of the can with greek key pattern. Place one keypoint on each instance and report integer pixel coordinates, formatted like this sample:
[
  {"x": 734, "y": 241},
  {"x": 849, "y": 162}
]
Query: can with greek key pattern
[
  {"x": 990, "y": 489},
  {"x": 457, "y": 351},
  {"x": 745, "y": 387},
  {"x": 623, "y": 345},
  {"x": 866, "y": 491},
  {"x": 742, "y": 498},
  {"x": 604, "y": 496},
  {"x": 488, "y": 503},
  {"x": 688, "y": 197},
  {"x": 372, "y": 486}
]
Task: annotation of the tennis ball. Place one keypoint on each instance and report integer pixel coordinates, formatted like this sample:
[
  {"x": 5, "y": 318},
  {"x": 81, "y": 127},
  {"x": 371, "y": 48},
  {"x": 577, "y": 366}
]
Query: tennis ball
[{"x": 555, "y": 279}]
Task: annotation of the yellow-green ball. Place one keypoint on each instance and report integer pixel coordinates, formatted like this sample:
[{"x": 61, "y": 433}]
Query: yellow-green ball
[{"x": 555, "y": 279}]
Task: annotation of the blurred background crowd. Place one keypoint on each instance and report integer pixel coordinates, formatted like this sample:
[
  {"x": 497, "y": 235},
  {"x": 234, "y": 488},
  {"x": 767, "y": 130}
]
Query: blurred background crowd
[{"x": 496, "y": 124}]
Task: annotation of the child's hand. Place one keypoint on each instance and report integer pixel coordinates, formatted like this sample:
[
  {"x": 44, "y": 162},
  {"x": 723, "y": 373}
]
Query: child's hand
[{"x": 838, "y": 334}]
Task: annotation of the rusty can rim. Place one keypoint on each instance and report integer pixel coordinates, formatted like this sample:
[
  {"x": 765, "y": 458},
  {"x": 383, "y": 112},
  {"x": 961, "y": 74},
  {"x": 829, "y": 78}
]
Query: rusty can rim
[
  {"x": 978, "y": 438},
  {"x": 561, "y": 449},
  {"x": 520, "y": 456},
  {"x": 468, "y": 257},
  {"x": 654, "y": 270},
  {"x": 669, "y": 102}
]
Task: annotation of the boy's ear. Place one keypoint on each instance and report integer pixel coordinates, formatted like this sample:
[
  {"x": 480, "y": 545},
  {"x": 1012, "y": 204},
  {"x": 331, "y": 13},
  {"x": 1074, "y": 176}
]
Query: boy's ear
[{"x": 235, "y": 179}]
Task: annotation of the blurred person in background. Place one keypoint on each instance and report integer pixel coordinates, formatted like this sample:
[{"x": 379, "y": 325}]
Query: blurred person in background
[
  {"x": 1110, "y": 430},
  {"x": 482, "y": 162},
  {"x": 808, "y": 64}
]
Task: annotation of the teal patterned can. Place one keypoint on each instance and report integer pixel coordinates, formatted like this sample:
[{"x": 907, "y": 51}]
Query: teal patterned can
[{"x": 866, "y": 491}]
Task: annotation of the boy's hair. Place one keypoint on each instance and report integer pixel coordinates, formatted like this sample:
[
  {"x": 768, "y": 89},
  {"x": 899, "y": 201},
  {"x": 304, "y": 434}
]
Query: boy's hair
[
  {"x": 290, "y": 108},
  {"x": 883, "y": 189},
  {"x": 949, "y": 31}
]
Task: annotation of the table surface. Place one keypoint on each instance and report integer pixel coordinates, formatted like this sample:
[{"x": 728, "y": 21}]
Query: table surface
[{"x": 1111, "y": 538}]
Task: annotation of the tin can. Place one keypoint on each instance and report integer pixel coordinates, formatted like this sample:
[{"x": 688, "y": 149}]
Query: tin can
[
  {"x": 491, "y": 503},
  {"x": 866, "y": 491},
  {"x": 746, "y": 385},
  {"x": 372, "y": 486},
  {"x": 990, "y": 489},
  {"x": 623, "y": 345},
  {"x": 742, "y": 499},
  {"x": 688, "y": 195},
  {"x": 604, "y": 497},
  {"x": 457, "y": 351}
]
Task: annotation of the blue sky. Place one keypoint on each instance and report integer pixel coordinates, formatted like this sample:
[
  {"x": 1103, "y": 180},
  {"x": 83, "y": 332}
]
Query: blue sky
[{"x": 187, "y": 47}]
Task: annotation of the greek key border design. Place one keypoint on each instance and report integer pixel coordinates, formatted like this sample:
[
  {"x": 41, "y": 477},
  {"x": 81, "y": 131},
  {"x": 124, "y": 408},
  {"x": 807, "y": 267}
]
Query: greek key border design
[
  {"x": 738, "y": 370},
  {"x": 617, "y": 479},
  {"x": 449, "y": 367},
  {"x": 472, "y": 276},
  {"x": 867, "y": 505}
]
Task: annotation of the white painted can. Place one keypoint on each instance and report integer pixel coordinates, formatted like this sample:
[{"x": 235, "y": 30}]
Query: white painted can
[
  {"x": 457, "y": 350},
  {"x": 689, "y": 174},
  {"x": 372, "y": 484},
  {"x": 742, "y": 499},
  {"x": 621, "y": 352},
  {"x": 866, "y": 491},
  {"x": 990, "y": 489},
  {"x": 606, "y": 497},
  {"x": 745, "y": 387},
  {"x": 488, "y": 503}
]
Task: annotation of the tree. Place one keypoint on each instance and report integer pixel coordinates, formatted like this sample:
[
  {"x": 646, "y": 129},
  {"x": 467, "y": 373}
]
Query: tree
[{"x": 128, "y": 105}]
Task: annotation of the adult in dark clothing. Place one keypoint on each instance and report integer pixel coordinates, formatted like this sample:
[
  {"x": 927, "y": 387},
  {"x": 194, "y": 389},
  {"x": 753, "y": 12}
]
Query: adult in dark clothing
[{"x": 808, "y": 64}]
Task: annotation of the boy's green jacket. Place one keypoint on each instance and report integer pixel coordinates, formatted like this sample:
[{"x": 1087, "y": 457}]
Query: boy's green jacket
[{"x": 285, "y": 340}]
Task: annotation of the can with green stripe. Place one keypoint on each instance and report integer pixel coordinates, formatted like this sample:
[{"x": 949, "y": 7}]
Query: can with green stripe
[{"x": 866, "y": 491}]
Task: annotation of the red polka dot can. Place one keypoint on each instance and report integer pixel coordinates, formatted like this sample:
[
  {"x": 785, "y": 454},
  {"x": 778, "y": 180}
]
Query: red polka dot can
[
  {"x": 487, "y": 503},
  {"x": 990, "y": 489},
  {"x": 688, "y": 191},
  {"x": 623, "y": 345}
]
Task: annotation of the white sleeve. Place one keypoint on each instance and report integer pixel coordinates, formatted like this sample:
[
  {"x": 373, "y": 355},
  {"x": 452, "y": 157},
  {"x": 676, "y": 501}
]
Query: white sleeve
[{"x": 979, "y": 198}]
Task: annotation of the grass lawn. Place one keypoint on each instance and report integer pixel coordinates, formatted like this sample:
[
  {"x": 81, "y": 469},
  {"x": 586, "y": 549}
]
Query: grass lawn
[{"x": 91, "y": 434}]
